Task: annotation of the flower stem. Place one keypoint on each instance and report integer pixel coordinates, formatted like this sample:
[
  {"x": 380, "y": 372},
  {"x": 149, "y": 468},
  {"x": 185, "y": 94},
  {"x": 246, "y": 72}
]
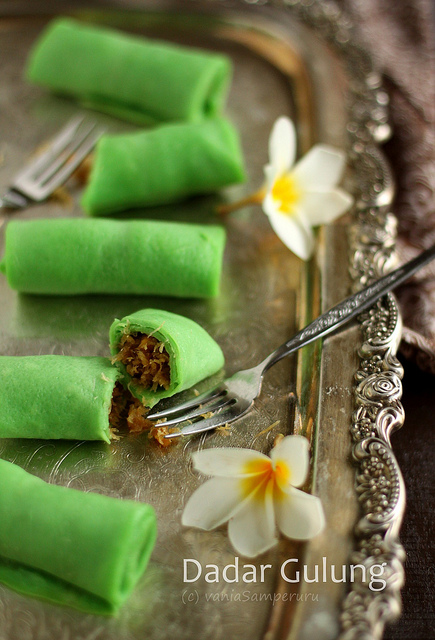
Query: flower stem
[{"x": 254, "y": 198}]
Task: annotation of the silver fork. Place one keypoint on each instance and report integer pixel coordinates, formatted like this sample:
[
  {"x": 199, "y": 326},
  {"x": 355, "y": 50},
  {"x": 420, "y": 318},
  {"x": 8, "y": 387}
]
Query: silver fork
[
  {"x": 235, "y": 396},
  {"x": 54, "y": 166}
]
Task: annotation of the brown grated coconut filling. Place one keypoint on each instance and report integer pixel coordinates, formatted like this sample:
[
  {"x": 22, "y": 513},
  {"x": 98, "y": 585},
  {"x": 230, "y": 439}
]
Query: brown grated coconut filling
[
  {"x": 128, "y": 415},
  {"x": 146, "y": 360},
  {"x": 127, "y": 412},
  {"x": 147, "y": 363}
]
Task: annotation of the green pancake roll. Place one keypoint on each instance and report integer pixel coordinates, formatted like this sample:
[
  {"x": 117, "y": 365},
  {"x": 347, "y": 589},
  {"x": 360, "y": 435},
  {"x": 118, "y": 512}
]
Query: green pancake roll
[
  {"x": 83, "y": 550},
  {"x": 131, "y": 77},
  {"x": 160, "y": 354},
  {"x": 72, "y": 256},
  {"x": 56, "y": 397},
  {"x": 163, "y": 165}
]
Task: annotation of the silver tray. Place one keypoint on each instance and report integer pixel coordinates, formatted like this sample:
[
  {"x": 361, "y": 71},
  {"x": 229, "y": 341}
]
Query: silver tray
[{"x": 294, "y": 58}]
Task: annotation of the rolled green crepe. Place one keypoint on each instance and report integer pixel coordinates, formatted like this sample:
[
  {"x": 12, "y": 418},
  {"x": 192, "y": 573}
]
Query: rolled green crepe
[
  {"x": 56, "y": 397},
  {"x": 77, "y": 255},
  {"x": 133, "y": 78},
  {"x": 162, "y": 165},
  {"x": 193, "y": 354},
  {"x": 83, "y": 550}
]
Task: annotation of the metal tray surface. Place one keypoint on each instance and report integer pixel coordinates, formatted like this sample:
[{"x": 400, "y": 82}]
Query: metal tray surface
[{"x": 281, "y": 66}]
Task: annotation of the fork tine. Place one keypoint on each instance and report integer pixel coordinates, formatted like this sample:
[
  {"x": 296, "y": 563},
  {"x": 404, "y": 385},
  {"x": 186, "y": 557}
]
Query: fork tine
[
  {"x": 189, "y": 404},
  {"x": 62, "y": 158},
  {"x": 220, "y": 403},
  {"x": 223, "y": 417},
  {"x": 14, "y": 200},
  {"x": 79, "y": 154},
  {"x": 57, "y": 145}
]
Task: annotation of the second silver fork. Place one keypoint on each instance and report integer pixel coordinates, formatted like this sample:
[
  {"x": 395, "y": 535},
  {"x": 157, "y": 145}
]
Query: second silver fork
[{"x": 42, "y": 176}]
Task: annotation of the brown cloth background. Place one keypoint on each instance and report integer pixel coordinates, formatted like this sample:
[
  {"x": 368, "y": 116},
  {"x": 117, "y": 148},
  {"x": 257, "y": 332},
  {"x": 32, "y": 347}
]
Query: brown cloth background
[{"x": 400, "y": 36}]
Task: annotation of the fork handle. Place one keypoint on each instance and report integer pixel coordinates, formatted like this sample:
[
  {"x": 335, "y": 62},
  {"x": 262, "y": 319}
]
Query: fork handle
[{"x": 349, "y": 308}]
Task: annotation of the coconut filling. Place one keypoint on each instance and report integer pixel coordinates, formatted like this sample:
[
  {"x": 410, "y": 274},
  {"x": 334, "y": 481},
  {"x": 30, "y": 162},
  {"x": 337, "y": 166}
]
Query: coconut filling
[
  {"x": 127, "y": 413},
  {"x": 146, "y": 360},
  {"x": 147, "y": 363}
]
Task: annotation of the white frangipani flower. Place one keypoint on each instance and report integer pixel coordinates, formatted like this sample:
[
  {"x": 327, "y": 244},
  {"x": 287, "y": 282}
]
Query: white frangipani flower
[
  {"x": 256, "y": 494},
  {"x": 302, "y": 195}
]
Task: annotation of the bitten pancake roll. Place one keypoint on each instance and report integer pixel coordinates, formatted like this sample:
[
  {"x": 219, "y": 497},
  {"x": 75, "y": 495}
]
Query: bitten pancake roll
[
  {"x": 56, "y": 397},
  {"x": 160, "y": 354}
]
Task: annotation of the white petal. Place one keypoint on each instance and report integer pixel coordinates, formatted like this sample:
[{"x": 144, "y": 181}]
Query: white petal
[
  {"x": 299, "y": 515},
  {"x": 293, "y": 232},
  {"x": 322, "y": 207},
  {"x": 215, "y": 502},
  {"x": 227, "y": 462},
  {"x": 270, "y": 205},
  {"x": 282, "y": 145},
  {"x": 270, "y": 175},
  {"x": 252, "y": 530},
  {"x": 320, "y": 168},
  {"x": 293, "y": 451}
]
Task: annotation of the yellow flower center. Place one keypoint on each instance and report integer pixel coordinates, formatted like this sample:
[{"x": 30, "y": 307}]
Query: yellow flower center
[
  {"x": 282, "y": 472},
  {"x": 285, "y": 190},
  {"x": 262, "y": 473}
]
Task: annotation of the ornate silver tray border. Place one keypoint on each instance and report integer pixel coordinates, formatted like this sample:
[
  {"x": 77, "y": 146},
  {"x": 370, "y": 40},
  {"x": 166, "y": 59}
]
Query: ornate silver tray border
[{"x": 377, "y": 391}]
